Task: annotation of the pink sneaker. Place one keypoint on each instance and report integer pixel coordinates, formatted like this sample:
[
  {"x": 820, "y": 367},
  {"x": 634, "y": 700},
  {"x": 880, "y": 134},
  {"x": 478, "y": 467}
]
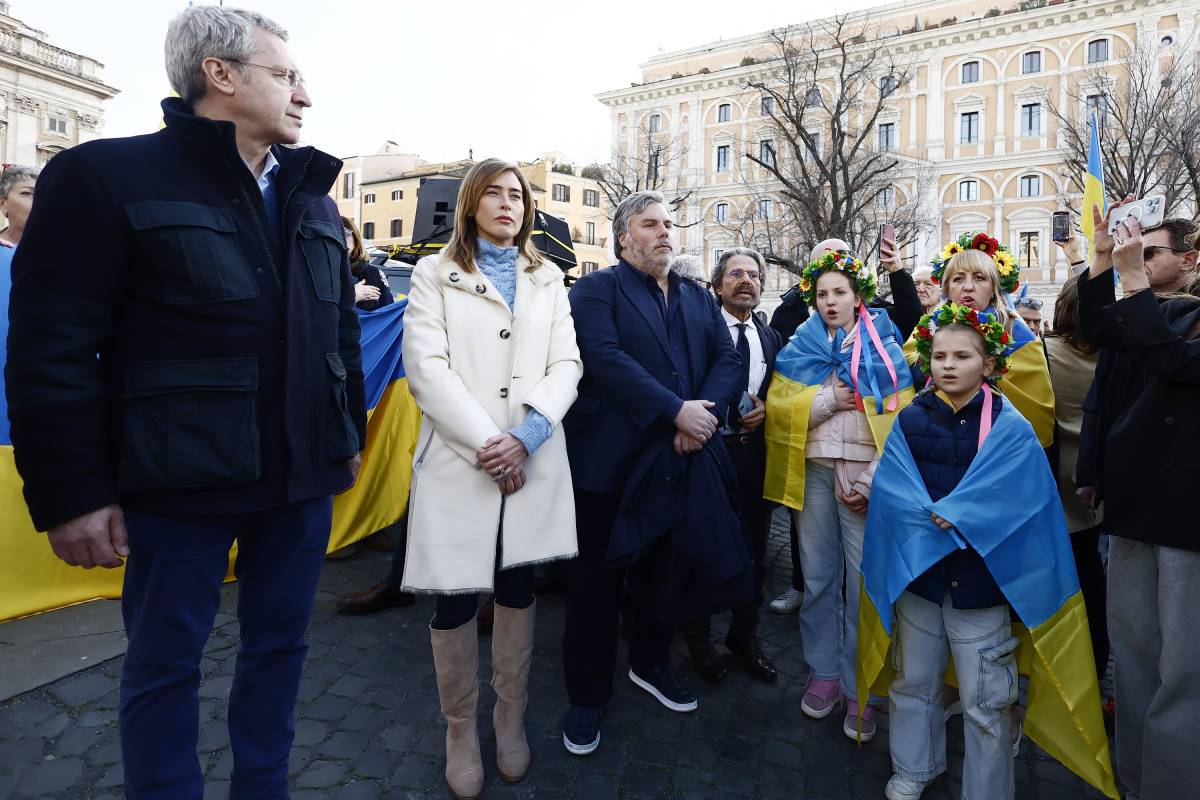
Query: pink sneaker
[
  {"x": 854, "y": 718},
  {"x": 820, "y": 698}
]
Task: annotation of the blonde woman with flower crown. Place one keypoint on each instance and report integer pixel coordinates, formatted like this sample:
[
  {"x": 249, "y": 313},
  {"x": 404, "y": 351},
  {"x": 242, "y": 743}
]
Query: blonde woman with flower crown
[
  {"x": 979, "y": 272},
  {"x": 838, "y": 385}
]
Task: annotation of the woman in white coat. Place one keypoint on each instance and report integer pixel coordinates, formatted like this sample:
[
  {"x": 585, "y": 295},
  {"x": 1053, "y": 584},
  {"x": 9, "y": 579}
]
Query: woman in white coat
[{"x": 490, "y": 355}]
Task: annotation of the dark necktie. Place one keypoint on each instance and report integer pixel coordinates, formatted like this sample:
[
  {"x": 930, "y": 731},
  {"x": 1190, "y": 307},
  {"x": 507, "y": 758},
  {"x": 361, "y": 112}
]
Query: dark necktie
[{"x": 743, "y": 351}]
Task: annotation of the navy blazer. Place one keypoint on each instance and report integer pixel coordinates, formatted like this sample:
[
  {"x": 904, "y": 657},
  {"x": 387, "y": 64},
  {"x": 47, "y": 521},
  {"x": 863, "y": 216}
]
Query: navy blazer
[{"x": 627, "y": 396}]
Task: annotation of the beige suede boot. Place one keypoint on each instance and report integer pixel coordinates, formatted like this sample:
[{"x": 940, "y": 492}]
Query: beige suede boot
[
  {"x": 512, "y": 651},
  {"x": 456, "y": 659}
]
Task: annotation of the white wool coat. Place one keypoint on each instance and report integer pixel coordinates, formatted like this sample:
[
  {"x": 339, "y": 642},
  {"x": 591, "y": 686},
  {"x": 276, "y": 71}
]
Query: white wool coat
[{"x": 475, "y": 369}]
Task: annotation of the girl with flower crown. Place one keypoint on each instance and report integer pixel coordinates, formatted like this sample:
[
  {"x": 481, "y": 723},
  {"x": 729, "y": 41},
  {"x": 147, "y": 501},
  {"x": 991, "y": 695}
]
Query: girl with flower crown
[
  {"x": 979, "y": 272},
  {"x": 947, "y": 563},
  {"x": 839, "y": 383}
]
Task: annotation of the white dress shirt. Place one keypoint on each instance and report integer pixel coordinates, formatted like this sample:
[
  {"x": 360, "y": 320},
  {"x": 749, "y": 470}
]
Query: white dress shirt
[{"x": 758, "y": 361}]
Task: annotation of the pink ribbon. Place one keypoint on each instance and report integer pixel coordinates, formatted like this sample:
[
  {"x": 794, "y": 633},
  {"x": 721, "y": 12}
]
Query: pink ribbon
[
  {"x": 865, "y": 318},
  {"x": 985, "y": 419}
]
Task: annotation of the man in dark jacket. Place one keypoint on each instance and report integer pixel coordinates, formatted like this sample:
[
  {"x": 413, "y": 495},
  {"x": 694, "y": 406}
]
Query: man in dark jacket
[
  {"x": 1148, "y": 478},
  {"x": 205, "y": 387},
  {"x": 737, "y": 283},
  {"x": 658, "y": 363}
]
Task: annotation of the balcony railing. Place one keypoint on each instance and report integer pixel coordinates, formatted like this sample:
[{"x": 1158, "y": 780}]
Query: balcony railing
[{"x": 35, "y": 51}]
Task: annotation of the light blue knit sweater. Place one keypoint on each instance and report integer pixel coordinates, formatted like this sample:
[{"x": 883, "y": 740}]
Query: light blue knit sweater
[{"x": 499, "y": 264}]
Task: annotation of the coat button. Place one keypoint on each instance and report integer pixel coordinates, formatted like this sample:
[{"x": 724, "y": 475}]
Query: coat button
[
  {"x": 504, "y": 334},
  {"x": 480, "y": 288},
  {"x": 954, "y": 584},
  {"x": 1169, "y": 420},
  {"x": 962, "y": 422},
  {"x": 504, "y": 392},
  {"x": 454, "y": 277}
]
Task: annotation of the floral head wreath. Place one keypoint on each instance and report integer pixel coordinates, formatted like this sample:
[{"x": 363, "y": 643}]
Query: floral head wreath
[
  {"x": 1006, "y": 262},
  {"x": 862, "y": 275},
  {"x": 997, "y": 343}
]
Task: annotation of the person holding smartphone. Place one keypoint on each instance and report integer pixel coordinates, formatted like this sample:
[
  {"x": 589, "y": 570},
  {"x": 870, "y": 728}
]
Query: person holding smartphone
[{"x": 737, "y": 283}]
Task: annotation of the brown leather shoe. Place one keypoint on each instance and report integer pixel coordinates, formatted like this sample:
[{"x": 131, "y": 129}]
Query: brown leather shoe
[{"x": 377, "y": 598}]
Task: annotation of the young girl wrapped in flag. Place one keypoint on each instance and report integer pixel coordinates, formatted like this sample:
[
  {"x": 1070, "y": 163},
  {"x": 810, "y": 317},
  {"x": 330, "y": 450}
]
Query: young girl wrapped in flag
[
  {"x": 964, "y": 531},
  {"x": 837, "y": 387},
  {"x": 980, "y": 272}
]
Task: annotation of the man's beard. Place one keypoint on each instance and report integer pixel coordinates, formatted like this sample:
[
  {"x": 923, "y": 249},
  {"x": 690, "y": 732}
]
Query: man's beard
[{"x": 650, "y": 260}]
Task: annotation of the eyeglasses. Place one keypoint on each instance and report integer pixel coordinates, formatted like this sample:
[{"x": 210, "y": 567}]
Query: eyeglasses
[
  {"x": 291, "y": 77},
  {"x": 1151, "y": 251},
  {"x": 738, "y": 274}
]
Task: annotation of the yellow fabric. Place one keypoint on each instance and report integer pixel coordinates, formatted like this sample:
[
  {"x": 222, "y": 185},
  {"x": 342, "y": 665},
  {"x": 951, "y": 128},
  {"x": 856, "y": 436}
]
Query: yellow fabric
[
  {"x": 35, "y": 580},
  {"x": 1063, "y": 715},
  {"x": 1026, "y": 385},
  {"x": 786, "y": 431}
]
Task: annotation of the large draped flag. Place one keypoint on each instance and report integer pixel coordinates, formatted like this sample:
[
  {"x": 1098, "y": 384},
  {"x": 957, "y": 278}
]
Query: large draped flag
[
  {"x": 35, "y": 580},
  {"x": 883, "y": 380},
  {"x": 1093, "y": 186},
  {"x": 1026, "y": 385},
  {"x": 1006, "y": 507}
]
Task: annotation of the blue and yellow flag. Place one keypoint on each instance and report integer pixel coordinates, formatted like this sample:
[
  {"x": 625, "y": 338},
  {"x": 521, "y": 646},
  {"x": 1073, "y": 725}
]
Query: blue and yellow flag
[
  {"x": 1006, "y": 507},
  {"x": 800, "y": 368},
  {"x": 1026, "y": 385},
  {"x": 35, "y": 580},
  {"x": 1093, "y": 185}
]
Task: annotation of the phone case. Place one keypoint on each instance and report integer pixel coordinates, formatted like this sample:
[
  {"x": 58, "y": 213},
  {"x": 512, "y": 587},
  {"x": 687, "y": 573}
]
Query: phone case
[{"x": 1148, "y": 212}]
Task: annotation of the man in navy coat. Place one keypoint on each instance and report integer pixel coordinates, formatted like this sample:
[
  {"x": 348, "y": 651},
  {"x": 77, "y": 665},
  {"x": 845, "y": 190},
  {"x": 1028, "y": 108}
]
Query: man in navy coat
[
  {"x": 194, "y": 381},
  {"x": 658, "y": 362}
]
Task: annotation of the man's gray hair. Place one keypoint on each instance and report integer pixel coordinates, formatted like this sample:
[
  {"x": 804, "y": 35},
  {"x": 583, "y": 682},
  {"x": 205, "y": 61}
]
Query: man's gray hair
[
  {"x": 17, "y": 172},
  {"x": 629, "y": 208},
  {"x": 689, "y": 266},
  {"x": 210, "y": 32},
  {"x": 723, "y": 261}
]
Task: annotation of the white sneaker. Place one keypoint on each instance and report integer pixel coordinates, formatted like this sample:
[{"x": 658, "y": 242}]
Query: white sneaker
[
  {"x": 903, "y": 789},
  {"x": 788, "y": 602}
]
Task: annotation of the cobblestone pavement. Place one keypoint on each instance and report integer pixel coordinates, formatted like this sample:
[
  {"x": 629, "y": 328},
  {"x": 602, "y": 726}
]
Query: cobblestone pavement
[{"x": 368, "y": 724}]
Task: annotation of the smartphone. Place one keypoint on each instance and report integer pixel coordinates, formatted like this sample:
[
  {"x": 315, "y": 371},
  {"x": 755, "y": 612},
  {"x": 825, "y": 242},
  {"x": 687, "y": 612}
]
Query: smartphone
[
  {"x": 1148, "y": 212},
  {"x": 1061, "y": 226},
  {"x": 745, "y": 405},
  {"x": 886, "y": 231}
]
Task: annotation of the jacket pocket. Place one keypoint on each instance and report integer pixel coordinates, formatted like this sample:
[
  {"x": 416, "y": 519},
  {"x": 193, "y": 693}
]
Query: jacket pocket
[
  {"x": 323, "y": 249},
  {"x": 342, "y": 443},
  {"x": 998, "y": 677},
  {"x": 194, "y": 250},
  {"x": 189, "y": 425}
]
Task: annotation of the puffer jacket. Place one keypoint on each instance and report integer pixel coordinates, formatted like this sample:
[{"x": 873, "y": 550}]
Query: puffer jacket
[{"x": 943, "y": 444}]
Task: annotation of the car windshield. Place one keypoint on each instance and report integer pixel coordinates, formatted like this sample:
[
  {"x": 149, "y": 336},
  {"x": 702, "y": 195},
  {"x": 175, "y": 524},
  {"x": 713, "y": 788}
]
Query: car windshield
[{"x": 399, "y": 283}]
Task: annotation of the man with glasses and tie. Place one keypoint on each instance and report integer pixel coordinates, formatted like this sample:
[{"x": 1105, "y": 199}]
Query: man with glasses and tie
[
  {"x": 205, "y": 388},
  {"x": 737, "y": 283}
]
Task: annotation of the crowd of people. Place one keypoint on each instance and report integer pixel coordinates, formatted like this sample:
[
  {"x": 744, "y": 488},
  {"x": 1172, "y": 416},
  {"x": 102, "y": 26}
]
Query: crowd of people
[{"x": 954, "y": 468}]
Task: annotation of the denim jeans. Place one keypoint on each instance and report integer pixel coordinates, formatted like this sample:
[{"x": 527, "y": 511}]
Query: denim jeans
[
  {"x": 981, "y": 643},
  {"x": 1153, "y": 597},
  {"x": 831, "y": 547}
]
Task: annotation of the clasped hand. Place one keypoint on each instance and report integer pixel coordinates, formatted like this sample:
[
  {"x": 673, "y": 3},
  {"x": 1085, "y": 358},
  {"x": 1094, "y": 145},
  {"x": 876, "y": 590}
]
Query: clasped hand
[
  {"x": 695, "y": 426},
  {"x": 502, "y": 457}
]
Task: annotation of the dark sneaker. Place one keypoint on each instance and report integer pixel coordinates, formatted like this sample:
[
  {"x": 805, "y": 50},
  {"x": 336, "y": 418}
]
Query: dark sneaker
[
  {"x": 666, "y": 687},
  {"x": 581, "y": 729}
]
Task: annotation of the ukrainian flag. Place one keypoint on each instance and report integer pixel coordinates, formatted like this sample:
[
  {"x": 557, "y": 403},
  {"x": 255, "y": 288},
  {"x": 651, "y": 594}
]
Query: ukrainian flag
[
  {"x": 800, "y": 368},
  {"x": 1093, "y": 185},
  {"x": 35, "y": 580},
  {"x": 1006, "y": 507},
  {"x": 1026, "y": 385}
]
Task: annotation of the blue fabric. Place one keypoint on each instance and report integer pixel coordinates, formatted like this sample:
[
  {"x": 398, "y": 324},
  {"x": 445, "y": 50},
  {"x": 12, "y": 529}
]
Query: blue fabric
[
  {"x": 944, "y": 444},
  {"x": 534, "y": 431},
  {"x": 628, "y": 396},
  {"x": 381, "y": 340},
  {"x": 676, "y": 330},
  {"x": 171, "y": 595},
  {"x": 810, "y": 356},
  {"x": 1006, "y": 507},
  {"x": 499, "y": 264},
  {"x": 6, "y": 256}
]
